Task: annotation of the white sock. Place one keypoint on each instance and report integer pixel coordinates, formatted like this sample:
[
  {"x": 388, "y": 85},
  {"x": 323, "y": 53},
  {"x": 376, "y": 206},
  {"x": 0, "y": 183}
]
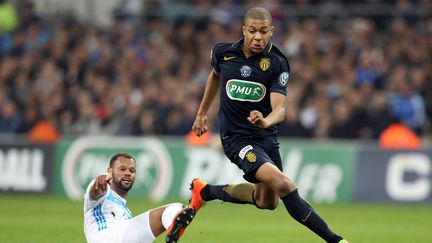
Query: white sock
[{"x": 169, "y": 213}]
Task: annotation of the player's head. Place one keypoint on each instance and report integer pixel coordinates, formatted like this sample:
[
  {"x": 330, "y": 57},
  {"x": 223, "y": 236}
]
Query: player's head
[
  {"x": 123, "y": 171},
  {"x": 257, "y": 29}
]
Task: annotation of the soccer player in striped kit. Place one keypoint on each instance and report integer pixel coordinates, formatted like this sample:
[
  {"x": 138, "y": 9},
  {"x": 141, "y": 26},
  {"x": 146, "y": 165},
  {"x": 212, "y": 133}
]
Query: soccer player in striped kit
[{"x": 108, "y": 219}]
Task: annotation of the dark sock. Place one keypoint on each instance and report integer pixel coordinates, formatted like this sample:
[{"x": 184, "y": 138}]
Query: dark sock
[
  {"x": 301, "y": 211},
  {"x": 210, "y": 192}
]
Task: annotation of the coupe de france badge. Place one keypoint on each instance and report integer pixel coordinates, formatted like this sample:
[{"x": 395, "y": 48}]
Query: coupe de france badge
[
  {"x": 283, "y": 78},
  {"x": 245, "y": 71}
]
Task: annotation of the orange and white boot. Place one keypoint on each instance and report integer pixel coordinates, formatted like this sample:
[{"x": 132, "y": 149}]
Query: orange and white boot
[
  {"x": 180, "y": 223},
  {"x": 196, "y": 200}
]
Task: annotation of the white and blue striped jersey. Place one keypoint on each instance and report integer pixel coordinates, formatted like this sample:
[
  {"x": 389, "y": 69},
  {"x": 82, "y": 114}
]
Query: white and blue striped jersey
[{"x": 106, "y": 212}]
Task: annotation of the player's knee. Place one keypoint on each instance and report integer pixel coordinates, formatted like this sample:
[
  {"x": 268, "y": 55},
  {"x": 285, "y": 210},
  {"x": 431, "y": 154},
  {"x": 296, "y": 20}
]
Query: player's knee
[
  {"x": 267, "y": 204},
  {"x": 283, "y": 186}
]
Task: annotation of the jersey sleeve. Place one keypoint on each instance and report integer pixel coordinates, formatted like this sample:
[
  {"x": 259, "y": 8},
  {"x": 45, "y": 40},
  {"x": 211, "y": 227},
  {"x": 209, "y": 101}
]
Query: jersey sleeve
[
  {"x": 280, "y": 80},
  {"x": 91, "y": 203},
  {"x": 214, "y": 59}
]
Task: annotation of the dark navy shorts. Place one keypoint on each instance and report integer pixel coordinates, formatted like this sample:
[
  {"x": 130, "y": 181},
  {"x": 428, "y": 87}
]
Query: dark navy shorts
[{"x": 249, "y": 153}]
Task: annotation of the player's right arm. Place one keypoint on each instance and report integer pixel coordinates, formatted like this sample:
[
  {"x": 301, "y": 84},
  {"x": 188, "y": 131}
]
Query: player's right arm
[
  {"x": 211, "y": 89},
  {"x": 100, "y": 186}
]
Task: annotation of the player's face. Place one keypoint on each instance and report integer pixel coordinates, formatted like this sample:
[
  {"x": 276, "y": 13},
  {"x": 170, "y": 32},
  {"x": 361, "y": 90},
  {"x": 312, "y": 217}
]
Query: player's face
[
  {"x": 257, "y": 33},
  {"x": 123, "y": 173}
]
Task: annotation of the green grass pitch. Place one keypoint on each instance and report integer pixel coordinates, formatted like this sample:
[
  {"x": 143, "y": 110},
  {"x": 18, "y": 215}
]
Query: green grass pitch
[{"x": 55, "y": 219}]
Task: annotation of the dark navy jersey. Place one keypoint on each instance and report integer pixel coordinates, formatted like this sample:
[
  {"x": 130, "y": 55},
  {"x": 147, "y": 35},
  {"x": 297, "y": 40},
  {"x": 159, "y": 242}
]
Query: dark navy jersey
[{"x": 246, "y": 85}]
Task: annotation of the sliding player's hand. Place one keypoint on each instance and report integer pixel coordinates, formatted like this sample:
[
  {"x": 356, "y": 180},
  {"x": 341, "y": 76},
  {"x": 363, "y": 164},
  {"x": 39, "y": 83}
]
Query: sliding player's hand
[{"x": 101, "y": 182}]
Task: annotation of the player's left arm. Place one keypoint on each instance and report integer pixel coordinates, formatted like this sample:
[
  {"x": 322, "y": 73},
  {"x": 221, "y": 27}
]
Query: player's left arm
[
  {"x": 278, "y": 91},
  {"x": 277, "y": 101}
]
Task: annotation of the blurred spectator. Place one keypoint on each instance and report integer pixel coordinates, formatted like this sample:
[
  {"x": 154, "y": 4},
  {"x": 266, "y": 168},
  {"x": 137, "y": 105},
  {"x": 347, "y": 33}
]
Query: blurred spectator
[
  {"x": 378, "y": 113},
  {"x": 11, "y": 118},
  {"x": 27, "y": 13},
  {"x": 407, "y": 105},
  {"x": 292, "y": 127},
  {"x": 343, "y": 123},
  {"x": 123, "y": 12},
  {"x": 367, "y": 70}
]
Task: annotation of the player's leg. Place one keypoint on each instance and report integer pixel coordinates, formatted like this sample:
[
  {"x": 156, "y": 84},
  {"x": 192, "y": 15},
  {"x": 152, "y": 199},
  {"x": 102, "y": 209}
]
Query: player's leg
[
  {"x": 298, "y": 208},
  {"x": 242, "y": 193},
  {"x": 259, "y": 194},
  {"x": 150, "y": 224},
  {"x": 139, "y": 228},
  {"x": 265, "y": 197},
  {"x": 247, "y": 157}
]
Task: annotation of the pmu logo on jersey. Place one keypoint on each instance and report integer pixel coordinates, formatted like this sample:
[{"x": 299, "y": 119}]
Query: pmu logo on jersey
[
  {"x": 264, "y": 63},
  {"x": 245, "y": 90},
  {"x": 245, "y": 71}
]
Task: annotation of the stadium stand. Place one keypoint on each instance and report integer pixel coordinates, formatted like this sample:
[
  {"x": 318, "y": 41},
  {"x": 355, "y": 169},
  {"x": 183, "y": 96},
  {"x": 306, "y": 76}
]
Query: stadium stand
[{"x": 351, "y": 70}]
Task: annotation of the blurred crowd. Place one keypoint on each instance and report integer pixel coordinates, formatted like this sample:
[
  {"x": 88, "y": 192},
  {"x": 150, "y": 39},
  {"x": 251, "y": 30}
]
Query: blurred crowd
[{"x": 351, "y": 76}]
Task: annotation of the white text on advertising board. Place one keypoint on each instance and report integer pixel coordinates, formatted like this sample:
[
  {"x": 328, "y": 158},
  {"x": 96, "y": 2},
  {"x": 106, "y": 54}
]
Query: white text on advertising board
[{"x": 22, "y": 170}]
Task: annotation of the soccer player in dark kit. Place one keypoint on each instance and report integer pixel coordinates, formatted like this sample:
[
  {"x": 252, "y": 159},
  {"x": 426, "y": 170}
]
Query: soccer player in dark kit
[{"x": 252, "y": 76}]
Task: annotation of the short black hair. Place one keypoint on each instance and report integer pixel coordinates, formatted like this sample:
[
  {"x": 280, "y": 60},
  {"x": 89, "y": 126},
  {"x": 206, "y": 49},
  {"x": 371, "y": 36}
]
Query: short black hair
[
  {"x": 257, "y": 13},
  {"x": 117, "y": 155}
]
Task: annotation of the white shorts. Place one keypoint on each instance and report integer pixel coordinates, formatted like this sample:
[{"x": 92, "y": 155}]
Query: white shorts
[{"x": 134, "y": 230}]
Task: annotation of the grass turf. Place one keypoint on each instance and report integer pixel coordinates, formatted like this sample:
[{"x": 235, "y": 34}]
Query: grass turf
[{"x": 54, "y": 219}]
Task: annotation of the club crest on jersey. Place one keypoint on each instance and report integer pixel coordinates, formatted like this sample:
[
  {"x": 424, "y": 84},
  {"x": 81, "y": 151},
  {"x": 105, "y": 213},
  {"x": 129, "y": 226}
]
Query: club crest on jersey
[
  {"x": 283, "y": 78},
  {"x": 245, "y": 71},
  {"x": 251, "y": 157},
  {"x": 264, "y": 63}
]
